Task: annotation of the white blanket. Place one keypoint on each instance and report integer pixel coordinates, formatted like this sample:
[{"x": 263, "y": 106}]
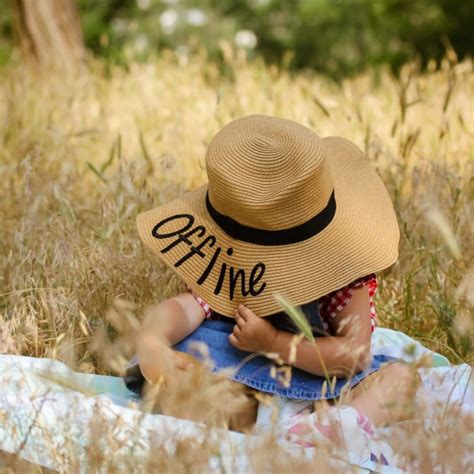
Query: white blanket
[{"x": 51, "y": 425}]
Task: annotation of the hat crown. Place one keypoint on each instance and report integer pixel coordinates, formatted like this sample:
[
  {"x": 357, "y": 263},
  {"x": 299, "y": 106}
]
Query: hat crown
[{"x": 268, "y": 172}]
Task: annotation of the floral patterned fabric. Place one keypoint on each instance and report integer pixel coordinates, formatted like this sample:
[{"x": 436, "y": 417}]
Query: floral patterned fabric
[
  {"x": 49, "y": 415},
  {"x": 333, "y": 428}
]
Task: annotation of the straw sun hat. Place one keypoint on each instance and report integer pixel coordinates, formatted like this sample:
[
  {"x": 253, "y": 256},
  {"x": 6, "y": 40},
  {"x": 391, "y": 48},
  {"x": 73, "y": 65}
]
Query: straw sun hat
[{"x": 285, "y": 212}]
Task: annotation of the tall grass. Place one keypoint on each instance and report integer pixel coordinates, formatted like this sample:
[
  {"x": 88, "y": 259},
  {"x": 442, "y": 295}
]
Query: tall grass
[{"x": 81, "y": 156}]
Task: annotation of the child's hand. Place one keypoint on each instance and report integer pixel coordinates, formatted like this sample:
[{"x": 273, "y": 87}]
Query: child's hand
[
  {"x": 251, "y": 333},
  {"x": 156, "y": 359}
]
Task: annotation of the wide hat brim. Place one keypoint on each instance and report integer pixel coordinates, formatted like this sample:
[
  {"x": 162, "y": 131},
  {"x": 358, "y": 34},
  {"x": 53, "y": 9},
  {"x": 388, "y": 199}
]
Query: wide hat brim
[{"x": 361, "y": 239}]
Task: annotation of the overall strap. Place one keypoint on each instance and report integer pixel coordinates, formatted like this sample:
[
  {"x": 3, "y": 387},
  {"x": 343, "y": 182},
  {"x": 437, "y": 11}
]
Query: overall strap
[{"x": 311, "y": 311}]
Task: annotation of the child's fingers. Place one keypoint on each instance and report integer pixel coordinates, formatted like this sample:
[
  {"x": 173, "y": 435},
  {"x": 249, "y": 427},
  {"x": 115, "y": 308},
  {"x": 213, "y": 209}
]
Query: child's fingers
[
  {"x": 237, "y": 331},
  {"x": 240, "y": 322},
  {"x": 239, "y": 316},
  {"x": 245, "y": 312},
  {"x": 181, "y": 365},
  {"x": 233, "y": 340},
  {"x": 182, "y": 362}
]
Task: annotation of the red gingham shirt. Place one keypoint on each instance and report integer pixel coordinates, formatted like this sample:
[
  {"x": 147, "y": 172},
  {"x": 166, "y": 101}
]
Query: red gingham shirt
[{"x": 332, "y": 303}]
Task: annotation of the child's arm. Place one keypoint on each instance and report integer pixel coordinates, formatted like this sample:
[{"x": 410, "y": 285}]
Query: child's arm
[
  {"x": 163, "y": 326},
  {"x": 343, "y": 354},
  {"x": 173, "y": 319}
]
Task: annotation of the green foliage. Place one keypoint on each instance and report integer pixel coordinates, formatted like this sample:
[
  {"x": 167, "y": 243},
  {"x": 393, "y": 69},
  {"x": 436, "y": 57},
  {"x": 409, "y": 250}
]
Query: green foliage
[
  {"x": 342, "y": 37},
  {"x": 5, "y": 33},
  {"x": 334, "y": 37}
]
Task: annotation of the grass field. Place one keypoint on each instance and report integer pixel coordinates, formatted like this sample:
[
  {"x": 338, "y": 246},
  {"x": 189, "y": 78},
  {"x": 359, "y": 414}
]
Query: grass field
[{"x": 81, "y": 156}]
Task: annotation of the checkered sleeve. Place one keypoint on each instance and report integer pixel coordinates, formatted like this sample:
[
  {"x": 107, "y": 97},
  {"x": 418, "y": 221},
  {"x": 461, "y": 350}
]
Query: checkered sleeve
[
  {"x": 332, "y": 303},
  {"x": 202, "y": 304}
]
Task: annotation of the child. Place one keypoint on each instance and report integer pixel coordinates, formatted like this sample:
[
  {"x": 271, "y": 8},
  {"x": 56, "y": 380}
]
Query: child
[{"x": 285, "y": 213}]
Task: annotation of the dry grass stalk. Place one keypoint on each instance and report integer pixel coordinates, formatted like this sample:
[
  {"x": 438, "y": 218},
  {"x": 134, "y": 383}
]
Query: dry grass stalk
[{"x": 80, "y": 160}]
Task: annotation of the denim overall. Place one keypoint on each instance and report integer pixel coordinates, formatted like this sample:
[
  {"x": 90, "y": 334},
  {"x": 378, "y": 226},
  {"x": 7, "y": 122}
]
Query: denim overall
[{"x": 254, "y": 370}]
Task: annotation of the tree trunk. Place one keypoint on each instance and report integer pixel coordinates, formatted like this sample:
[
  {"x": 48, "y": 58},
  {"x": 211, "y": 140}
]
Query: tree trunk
[{"x": 49, "y": 32}]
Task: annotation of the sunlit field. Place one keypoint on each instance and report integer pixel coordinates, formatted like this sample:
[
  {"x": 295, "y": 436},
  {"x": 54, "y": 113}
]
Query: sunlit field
[{"x": 81, "y": 156}]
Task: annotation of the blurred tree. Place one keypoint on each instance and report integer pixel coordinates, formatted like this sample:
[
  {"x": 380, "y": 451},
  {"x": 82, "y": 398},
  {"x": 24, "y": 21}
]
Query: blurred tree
[
  {"x": 334, "y": 37},
  {"x": 48, "y": 31}
]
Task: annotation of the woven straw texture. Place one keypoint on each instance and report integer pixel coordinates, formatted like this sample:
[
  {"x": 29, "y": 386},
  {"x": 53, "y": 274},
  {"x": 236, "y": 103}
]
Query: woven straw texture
[{"x": 271, "y": 173}]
